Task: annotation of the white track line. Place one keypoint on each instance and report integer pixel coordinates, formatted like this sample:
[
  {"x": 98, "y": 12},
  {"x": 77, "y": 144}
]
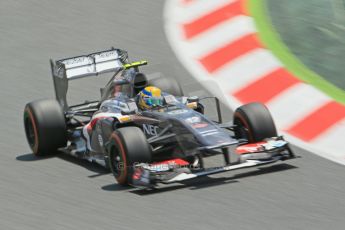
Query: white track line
[{"x": 330, "y": 140}]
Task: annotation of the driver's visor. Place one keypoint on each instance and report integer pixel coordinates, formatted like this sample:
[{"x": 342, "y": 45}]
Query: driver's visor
[{"x": 154, "y": 101}]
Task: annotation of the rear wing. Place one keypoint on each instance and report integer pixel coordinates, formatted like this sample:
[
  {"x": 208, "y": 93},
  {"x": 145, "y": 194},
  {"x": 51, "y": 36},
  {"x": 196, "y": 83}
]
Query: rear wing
[{"x": 92, "y": 64}]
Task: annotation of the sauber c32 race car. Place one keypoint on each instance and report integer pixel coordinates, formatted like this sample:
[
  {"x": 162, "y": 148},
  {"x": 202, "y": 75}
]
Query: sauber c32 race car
[{"x": 165, "y": 144}]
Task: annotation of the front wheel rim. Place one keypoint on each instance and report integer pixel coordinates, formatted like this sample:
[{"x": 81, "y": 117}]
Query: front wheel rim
[
  {"x": 242, "y": 130},
  {"x": 116, "y": 162}
]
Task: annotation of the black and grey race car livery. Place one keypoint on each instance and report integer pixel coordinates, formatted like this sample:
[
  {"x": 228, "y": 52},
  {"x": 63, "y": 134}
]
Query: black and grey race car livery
[{"x": 165, "y": 144}]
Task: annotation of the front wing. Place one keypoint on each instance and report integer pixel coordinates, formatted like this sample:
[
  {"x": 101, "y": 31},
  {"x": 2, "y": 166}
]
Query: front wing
[{"x": 177, "y": 170}]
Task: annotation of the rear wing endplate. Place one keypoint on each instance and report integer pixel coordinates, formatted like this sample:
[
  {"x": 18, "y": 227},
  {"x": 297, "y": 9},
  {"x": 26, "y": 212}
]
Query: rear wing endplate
[{"x": 84, "y": 66}]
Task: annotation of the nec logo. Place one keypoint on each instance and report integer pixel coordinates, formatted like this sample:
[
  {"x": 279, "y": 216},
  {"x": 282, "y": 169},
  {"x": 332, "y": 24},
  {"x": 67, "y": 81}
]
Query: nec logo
[{"x": 150, "y": 129}]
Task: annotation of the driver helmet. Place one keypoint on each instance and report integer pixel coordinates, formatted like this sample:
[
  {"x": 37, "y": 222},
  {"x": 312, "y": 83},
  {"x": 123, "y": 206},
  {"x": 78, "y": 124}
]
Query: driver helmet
[{"x": 150, "y": 97}]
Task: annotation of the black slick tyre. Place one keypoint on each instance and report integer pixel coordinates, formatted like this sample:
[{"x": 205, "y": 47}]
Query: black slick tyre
[
  {"x": 254, "y": 122},
  {"x": 127, "y": 146},
  {"x": 45, "y": 126}
]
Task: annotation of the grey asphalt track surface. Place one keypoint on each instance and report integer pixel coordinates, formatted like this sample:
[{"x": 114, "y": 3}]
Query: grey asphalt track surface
[{"x": 63, "y": 193}]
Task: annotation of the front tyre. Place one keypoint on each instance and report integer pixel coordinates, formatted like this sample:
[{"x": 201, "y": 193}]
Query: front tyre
[
  {"x": 127, "y": 147},
  {"x": 254, "y": 122},
  {"x": 45, "y": 126}
]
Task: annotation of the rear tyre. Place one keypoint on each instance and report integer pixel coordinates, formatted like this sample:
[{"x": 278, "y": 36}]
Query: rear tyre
[
  {"x": 254, "y": 122},
  {"x": 127, "y": 147},
  {"x": 167, "y": 85},
  {"x": 45, "y": 126}
]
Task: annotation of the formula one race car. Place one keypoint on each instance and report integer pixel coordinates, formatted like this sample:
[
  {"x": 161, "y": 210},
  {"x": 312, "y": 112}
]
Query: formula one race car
[{"x": 168, "y": 143}]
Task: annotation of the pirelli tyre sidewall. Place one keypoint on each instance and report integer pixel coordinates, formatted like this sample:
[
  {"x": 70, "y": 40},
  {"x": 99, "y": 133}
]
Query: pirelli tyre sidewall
[
  {"x": 127, "y": 147},
  {"x": 254, "y": 122},
  {"x": 45, "y": 126}
]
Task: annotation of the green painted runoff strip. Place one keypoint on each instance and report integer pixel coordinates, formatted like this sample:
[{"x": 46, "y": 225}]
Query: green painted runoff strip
[{"x": 272, "y": 41}]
